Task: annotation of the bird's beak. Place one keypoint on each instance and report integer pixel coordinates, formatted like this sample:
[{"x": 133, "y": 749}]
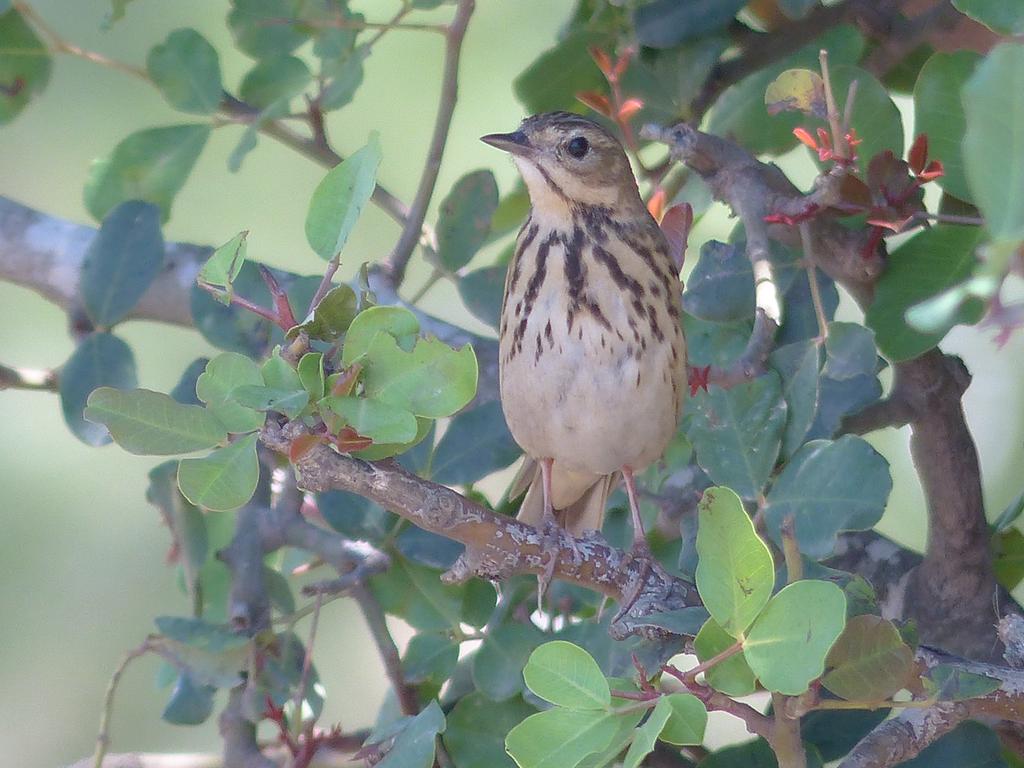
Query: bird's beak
[{"x": 514, "y": 143}]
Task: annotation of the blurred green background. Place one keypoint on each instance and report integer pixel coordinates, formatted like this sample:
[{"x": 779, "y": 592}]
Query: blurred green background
[{"x": 80, "y": 547}]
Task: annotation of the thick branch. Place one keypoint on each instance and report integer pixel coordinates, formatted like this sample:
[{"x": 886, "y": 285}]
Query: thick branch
[{"x": 496, "y": 546}]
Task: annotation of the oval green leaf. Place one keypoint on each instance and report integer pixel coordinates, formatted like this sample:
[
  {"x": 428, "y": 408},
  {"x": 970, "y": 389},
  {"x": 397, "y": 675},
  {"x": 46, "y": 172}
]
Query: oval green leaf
[
  {"x": 735, "y": 572},
  {"x": 339, "y": 199},
  {"x": 732, "y": 676},
  {"x": 560, "y": 738},
  {"x": 123, "y": 259},
  {"x": 152, "y": 423},
  {"x": 465, "y": 218},
  {"x": 566, "y": 675},
  {"x": 186, "y": 70},
  {"x": 101, "y": 360},
  {"x": 226, "y": 479},
  {"x": 787, "y": 644},
  {"x": 869, "y": 662},
  {"x": 223, "y": 374},
  {"x": 687, "y": 722},
  {"x": 829, "y": 487},
  {"x": 994, "y": 140}
]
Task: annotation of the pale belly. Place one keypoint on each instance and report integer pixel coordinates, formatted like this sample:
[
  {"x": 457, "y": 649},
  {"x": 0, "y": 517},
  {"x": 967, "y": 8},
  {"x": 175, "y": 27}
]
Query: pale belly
[{"x": 586, "y": 400}]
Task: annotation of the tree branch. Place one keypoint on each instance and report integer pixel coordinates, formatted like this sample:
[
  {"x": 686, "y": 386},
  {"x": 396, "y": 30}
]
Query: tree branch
[{"x": 412, "y": 231}]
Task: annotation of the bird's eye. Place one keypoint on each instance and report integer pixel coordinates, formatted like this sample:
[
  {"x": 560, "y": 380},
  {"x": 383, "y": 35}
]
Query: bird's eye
[{"x": 577, "y": 147}]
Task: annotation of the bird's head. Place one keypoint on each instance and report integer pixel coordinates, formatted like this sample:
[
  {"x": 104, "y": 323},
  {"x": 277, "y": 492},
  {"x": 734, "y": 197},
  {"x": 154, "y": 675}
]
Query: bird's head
[{"x": 566, "y": 159}]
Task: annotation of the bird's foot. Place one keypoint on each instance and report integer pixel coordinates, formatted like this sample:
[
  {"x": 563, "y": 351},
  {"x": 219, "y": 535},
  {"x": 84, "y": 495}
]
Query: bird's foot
[{"x": 551, "y": 535}]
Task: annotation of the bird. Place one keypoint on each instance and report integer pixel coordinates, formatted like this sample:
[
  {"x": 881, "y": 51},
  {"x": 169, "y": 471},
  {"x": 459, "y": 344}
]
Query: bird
[{"x": 592, "y": 356}]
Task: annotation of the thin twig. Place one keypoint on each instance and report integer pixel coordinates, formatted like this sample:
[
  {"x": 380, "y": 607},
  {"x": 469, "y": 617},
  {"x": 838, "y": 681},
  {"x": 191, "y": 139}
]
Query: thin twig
[
  {"x": 242, "y": 302},
  {"x": 60, "y": 45},
  {"x": 812, "y": 281},
  {"x": 387, "y": 649},
  {"x": 307, "y": 666},
  {"x": 834, "y": 120},
  {"x": 325, "y": 283},
  {"x": 412, "y": 232},
  {"x": 103, "y": 737}
]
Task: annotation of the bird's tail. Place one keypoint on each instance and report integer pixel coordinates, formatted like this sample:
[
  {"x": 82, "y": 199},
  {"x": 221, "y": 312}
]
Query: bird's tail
[{"x": 579, "y": 498}]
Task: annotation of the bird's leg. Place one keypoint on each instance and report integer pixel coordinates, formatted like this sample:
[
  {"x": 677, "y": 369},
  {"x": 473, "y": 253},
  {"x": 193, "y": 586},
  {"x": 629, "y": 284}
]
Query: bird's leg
[
  {"x": 550, "y": 530},
  {"x": 640, "y": 545},
  {"x": 640, "y": 549}
]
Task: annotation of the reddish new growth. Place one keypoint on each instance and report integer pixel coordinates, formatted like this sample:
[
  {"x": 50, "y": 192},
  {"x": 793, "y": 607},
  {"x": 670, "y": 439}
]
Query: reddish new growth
[
  {"x": 698, "y": 378},
  {"x": 614, "y": 106},
  {"x": 303, "y": 748},
  {"x": 823, "y": 145},
  {"x": 891, "y": 195}
]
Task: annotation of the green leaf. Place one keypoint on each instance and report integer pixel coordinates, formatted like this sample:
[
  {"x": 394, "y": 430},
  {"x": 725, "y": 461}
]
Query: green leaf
[
  {"x": 836, "y": 731},
  {"x": 379, "y": 451},
  {"x": 998, "y": 15},
  {"x": 476, "y": 443},
  {"x": 190, "y": 703},
  {"x": 552, "y": 81},
  {"x": 214, "y": 387},
  {"x": 380, "y": 421},
  {"x": 414, "y": 747},
  {"x": 417, "y": 595},
  {"x": 688, "y": 720},
  {"x": 433, "y": 380},
  {"x": 225, "y": 264},
  {"x": 732, "y": 676},
  {"x": 211, "y": 653},
  {"x": 289, "y": 402},
  {"x": 797, "y": 364},
  {"x": 339, "y": 199},
  {"x": 666, "y": 23},
  {"x": 560, "y": 738},
  {"x": 25, "y": 64},
  {"x": 226, "y": 479},
  {"x": 477, "y": 728},
  {"x": 146, "y": 422},
  {"x": 482, "y": 291},
  {"x": 969, "y": 745},
  {"x": 117, "y": 10},
  {"x": 993, "y": 143},
  {"x": 735, "y": 572},
  {"x": 186, "y": 523},
  {"x": 101, "y": 360},
  {"x": 265, "y": 28},
  {"x": 951, "y": 683},
  {"x": 185, "y": 390},
  {"x": 869, "y": 662},
  {"x": 681, "y": 621},
  {"x": 566, "y": 675},
  {"x": 279, "y": 374},
  {"x": 398, "y": 322},
  {"x": 939, "y": 114},
  {"x": 430, "y": 658},
  {"x": 1008, "y": 557},
  {"x": 150, "y": 165},
  {"x": 829, "y": 487},
  {"x": 332, "y": 315},
  {"x": 924, "y": 266},
  {"x": 272, "y": 79},
  {"x": 122, "y": 261},
  {"x": 354, "y": 516},
  {"x": 345, "y": 75},
  {"x": 624, "y": 728},
  {"x": 849, "y": 351},
  {"x": 737, "y": 432},
  {"x": 464, "y": 218},
  {"x": 787, "y": 644},
  {"x": 311, "y": 374},
  {"x": 498, "y": 664},
  {"x": 647, "y": 734},
  {"x": 186, "y": 70}
]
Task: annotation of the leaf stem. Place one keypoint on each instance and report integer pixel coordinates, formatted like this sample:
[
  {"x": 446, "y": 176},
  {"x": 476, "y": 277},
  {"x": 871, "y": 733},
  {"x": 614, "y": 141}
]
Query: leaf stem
[
  {"x": 812, "y": 281},
  {"x": 103, "y": 737}
]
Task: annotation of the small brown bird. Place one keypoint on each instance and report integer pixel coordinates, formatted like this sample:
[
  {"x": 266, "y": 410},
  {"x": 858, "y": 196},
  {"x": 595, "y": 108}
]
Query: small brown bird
[{"x": 592, "y": 355}]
